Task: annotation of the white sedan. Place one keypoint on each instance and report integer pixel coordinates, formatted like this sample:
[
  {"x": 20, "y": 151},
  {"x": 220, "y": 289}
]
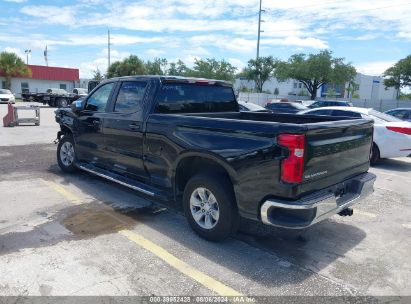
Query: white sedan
[
  {"x": 6, "y": 96},
  {"x": 392, "y": 136}
]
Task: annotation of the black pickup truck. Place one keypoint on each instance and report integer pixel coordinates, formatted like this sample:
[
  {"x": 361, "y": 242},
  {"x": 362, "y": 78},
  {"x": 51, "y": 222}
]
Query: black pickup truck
[{"x": 184, "y": 139}]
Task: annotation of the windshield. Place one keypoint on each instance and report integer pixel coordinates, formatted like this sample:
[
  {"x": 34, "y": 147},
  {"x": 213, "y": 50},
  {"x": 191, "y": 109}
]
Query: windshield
[
  {"x": 252, "y": 106},
  {"x": 299, "y": 106},
  {"x": 4, "y": 91},
  {"x": 382, "y": 116}
]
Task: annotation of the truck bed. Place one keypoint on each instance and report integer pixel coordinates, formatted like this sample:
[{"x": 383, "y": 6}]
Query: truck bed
[{"x": 336, "y": 149}]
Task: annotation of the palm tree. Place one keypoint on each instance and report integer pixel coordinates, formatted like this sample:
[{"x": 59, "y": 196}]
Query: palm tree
[{"x": 12, "y": 65}]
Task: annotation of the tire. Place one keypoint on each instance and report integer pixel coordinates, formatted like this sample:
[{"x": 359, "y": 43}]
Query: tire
[
  {"x": 66, "y": 156},
  {"x": 375, "y": 154},
  {"x": 62, "y": 103},
  {"x": 223, "y": 217}
]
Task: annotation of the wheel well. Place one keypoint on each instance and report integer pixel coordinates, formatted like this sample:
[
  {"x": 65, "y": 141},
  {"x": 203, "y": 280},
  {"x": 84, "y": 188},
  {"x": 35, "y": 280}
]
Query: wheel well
[
  {"x": 374, "y": 144},
  {"x": 190, "y": 166},
  {"x": 65, "y": 130}
]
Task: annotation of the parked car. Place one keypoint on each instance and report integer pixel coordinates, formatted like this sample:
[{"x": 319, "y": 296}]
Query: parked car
[
  {"x": 330, "y": 103},
  {"x": 277, "y": 100},
  {"x": 55, "y": 97},
  {"x": 401, "y": 113},
  {"x": 184, "y": 139},
  {"x": 392, "y": 136},
  {"x": 252, "y": 107},
  {"x": 6, "y": 96},
  {"x": 285, "y": 107},
  {"x": 80, "y": 91}
]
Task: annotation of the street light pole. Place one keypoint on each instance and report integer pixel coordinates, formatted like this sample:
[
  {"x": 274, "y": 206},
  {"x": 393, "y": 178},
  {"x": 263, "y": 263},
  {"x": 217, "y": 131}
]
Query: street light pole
[
  {"x": 27, "y": 55},
  {"x": 259, "y": 30}
]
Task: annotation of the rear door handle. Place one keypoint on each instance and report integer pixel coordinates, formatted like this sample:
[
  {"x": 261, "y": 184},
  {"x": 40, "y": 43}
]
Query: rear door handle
[{"x": 134, "y": 126}]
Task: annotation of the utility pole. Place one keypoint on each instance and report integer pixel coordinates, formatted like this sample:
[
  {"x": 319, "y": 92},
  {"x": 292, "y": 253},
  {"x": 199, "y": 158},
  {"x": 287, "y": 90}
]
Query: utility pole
[
  {"x": 259, "y": 30},
  {"x": 108, "y": 47}
]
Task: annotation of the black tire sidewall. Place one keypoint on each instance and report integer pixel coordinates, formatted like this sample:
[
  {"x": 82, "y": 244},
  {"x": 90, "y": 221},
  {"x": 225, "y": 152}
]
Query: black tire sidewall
[
  {"x": 375, "y": 156},
  {"x": 60, "y": 101},
  {"x": 222, "y": 190},
  {"x": 72, "y": 167}
]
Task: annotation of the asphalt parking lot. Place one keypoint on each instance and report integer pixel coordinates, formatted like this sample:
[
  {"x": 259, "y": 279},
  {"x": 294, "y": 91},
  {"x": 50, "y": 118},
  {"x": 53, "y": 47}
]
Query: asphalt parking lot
[{"x": 63, "y": 234}]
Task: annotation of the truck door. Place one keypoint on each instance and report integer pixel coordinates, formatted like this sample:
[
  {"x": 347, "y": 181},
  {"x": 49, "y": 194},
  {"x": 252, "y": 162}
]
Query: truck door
[
  {"x": 89, "y": 126},
  {"x": 123, "y": 129}
]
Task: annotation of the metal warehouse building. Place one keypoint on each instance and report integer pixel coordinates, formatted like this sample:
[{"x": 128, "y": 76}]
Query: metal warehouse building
[{"x": 43, "y": 77}]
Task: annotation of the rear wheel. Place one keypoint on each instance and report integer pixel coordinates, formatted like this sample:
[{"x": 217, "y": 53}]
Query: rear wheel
[
  {"x": 209, "y": 206},
  {"x": 66, "y": 154},
  {"x": 375, "y": 154},
  {"x": 62, "y": 103}
]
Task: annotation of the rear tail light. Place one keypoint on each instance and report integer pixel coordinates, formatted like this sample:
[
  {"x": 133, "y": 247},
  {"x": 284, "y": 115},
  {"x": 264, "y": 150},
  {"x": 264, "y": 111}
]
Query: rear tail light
[
  {"x": 292, "y": 167},
  {"x": 400, "y": 130}
]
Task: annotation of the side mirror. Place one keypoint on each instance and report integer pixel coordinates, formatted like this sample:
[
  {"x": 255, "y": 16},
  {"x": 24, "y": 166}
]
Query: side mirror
[{"x": 78, "y": 105}]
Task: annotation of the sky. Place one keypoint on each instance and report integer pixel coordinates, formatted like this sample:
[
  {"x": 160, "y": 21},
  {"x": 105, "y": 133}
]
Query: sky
[{"x": 370, "y": 34}]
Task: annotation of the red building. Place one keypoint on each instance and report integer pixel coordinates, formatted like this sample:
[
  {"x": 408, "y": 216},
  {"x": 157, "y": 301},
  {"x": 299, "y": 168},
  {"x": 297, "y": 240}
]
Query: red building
[{"x": 42, "y": 78}]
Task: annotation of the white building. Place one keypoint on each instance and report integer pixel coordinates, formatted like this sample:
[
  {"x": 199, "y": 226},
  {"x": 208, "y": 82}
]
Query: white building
[
  {"x": 369, "y": 87},
  {"x": 42, "y": 78},
  {"x": 372, "y": 87}
]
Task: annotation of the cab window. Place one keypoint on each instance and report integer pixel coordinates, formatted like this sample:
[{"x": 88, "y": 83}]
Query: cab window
[
  {"x": 130, "y": 97},
  {"x": 98, "y": 100}
]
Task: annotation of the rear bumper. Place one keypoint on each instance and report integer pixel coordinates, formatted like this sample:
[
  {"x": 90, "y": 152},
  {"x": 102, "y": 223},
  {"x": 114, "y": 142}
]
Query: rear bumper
[{"x": 317, "y": 206}]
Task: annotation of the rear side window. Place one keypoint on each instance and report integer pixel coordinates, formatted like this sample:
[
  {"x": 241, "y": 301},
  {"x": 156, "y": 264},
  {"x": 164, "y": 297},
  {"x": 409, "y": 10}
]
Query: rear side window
[
  {"x": 401, "y": 114},
  {"x": 195, "y": 98},
  {"x": 130, "y": 97},
  {"x": 320, "y": 112},
  {"x": 279, "y": 106},
  {"x": 346, "y": 113}
]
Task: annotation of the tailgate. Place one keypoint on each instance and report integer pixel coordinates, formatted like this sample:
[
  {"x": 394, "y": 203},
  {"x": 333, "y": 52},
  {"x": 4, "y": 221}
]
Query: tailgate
[{"x": 336, "y": 151}]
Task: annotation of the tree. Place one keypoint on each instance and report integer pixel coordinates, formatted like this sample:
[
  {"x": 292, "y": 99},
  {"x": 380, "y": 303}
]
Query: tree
[
  {"x": 12, "y": 65},
  {"x": 404, "y": 96},
  {"x": 213, "y": 69},
  {"x": 314, "y": 70},
  {"x": 399, "y": 75},
  {"x": 97, "y": 75},
  {"x": 331, "y": 92},
  {"x": 131, "y": 65},
  {"x": 352, "y": 88},
  {"x": 260, "y": 70},
  {"x": 178, "y": 69},
  {"x": 156, "y": 67}
]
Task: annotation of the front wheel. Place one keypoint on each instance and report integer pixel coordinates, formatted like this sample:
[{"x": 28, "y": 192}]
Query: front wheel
[
  {"x": 209, "y": 206},
  {"x": 66, "y": 154}
]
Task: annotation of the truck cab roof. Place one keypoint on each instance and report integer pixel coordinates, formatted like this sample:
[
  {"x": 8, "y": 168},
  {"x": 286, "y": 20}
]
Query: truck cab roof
[{"x": 178, "y": 79}]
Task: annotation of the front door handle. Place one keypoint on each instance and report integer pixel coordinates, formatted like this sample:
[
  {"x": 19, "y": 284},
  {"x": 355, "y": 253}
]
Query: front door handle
[{"x": 134, "y": 126}]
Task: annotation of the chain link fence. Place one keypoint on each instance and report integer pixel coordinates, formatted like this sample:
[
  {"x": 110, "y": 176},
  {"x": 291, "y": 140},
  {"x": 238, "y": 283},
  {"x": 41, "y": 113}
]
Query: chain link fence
[{"x": 381, "y": 105}]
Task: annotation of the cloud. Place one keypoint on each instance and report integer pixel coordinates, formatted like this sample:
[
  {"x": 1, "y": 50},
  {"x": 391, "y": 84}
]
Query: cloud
[
  {"x": 376, "y": 68},
  {"x": 16, "y": 1},
  {"x": 155, "y": 52},
  {"x": 297, "y": 41},
  {"x": 52, "y": 14},
  {"x": 237, "y": 63},
  {"x": 101, "y": 62},
  {"x": 16, "y": 51}
]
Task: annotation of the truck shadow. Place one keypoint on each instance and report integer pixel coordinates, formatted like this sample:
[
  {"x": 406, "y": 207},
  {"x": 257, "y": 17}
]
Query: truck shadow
[
  {"x": 399, "y": 164},
  {"x": 276, "y": 256}
]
